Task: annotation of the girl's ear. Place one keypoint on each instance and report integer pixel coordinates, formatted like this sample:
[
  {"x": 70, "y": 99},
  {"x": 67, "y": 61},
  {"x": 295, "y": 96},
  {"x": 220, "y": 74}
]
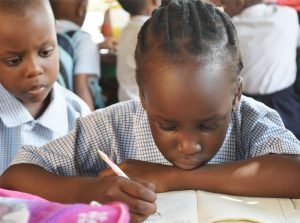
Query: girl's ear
[{"x": 238, "y": 93}]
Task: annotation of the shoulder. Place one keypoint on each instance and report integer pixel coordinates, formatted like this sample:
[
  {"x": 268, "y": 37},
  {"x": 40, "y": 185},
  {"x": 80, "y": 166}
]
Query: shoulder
[
  {"x": 259, "y": 130},
  {"x": 66, "y": 25},
  {"x": 122, "y": 111},
  {"x": 118, "y": 120},
  {"x": 252, "y": 111}
]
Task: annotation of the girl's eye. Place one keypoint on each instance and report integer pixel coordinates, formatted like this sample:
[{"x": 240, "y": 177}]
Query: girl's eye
[
  {"x": 208, "y": 127},
  {"x": 14, "y": 61},
  {"x": 46, "y": 52}
]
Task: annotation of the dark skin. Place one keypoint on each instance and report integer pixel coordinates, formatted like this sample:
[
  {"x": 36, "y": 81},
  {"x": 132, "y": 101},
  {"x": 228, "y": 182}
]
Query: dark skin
[
  {"x": 28, "y": 63},
  {"x": 189, "y": 117},
  {"x": 190, "y": 128},
  {"x": 28, "y": 69}
]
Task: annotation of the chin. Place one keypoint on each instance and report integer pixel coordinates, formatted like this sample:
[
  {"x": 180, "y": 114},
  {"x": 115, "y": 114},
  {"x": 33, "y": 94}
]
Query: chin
[{"x": 187, "y": 166}]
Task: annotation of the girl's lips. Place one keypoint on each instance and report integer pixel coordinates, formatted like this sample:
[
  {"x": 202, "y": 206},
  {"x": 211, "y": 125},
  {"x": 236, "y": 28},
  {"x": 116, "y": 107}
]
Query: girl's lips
[{"x": 187, "y": 165}]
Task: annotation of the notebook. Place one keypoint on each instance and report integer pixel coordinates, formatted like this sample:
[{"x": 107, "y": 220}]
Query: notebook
[{"x": 205, "y": 207}]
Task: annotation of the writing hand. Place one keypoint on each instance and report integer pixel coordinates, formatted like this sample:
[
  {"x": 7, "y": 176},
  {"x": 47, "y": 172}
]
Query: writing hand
[{"x": 140, "y": 197}]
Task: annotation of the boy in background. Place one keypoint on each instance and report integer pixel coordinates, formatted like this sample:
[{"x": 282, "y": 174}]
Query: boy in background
[
  {"x": 34, "y": 109},
  {"x": 139, "y": 11},
  {"x": 268, "y": 36},
  {"x": 70, "y": 15}
]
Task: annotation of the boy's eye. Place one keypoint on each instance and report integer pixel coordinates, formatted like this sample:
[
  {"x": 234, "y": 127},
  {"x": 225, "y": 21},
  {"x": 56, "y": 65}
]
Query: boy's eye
[
  {"x": 46, "y": 52},
  {"x": 168, "y": 128},
  {"x": 14, "y": 61}
]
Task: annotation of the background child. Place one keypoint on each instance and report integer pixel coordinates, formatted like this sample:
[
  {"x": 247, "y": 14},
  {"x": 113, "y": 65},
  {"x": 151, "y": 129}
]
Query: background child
[
  {"x": 70, "y": 15},
  {"x": 191, "y": 130},
  {"x": 268, "y": 47},
  {"x": 33, "y": 108},
  {"x": 139, "y": 11}
]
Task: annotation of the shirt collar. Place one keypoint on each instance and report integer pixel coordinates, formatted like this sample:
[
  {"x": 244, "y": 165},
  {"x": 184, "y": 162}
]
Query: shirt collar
[
  {"x": 66, "y": 25},
  {"x": 55, "y": 117},
  {"x": 13, "y": 113}
]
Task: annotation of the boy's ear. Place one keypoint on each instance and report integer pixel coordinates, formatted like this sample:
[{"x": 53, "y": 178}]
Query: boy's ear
[
  {"x": 237, "y": 93},
  {"x": 81, "y": 9},
  {"x": 241, "y": 4},
  {"x": 142, "y": 98}
]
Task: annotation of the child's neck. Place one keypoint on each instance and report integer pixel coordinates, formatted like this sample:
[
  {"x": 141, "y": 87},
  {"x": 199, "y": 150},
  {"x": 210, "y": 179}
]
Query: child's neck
[{"x": 38, "y": 108}]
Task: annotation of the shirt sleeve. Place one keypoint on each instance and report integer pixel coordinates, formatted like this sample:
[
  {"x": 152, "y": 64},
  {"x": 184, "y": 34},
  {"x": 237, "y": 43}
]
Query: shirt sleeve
[
  {"x": 265, "y": 133},
  {"x": 86, "y": 55},
  {"x": 75, "y": 153}
]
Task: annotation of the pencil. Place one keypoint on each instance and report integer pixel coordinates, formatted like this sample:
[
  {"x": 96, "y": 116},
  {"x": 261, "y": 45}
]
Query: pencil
[{"x": 113, "y": 166}]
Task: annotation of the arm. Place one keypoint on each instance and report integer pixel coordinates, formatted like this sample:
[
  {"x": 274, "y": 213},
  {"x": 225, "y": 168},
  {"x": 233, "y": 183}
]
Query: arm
[
  {"x": 70, "y": 189},
  {"x": 81, "y": 88},
  {"x": 263, "y": 176}
]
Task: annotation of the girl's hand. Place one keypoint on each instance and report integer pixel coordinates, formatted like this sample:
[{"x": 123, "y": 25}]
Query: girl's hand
[{"x": 140, "y": 197}]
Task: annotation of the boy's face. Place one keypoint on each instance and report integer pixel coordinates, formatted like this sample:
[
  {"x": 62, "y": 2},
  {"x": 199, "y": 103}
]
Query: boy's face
[
  {"x": 189, "y": 109},
  {"x": 28, "y": 54}
]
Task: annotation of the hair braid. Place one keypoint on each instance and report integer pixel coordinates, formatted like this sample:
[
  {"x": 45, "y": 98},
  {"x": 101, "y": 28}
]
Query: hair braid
[{"x": 189, "y": 29}]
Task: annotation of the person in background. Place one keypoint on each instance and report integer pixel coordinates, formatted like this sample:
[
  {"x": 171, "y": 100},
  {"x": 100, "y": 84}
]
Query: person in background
[
  {"x": 70, "y": 15},
  {"x": 192, "y": 128},
  {"x": 268, "y": 47},
  {"x": 109, "y": 42},
  {"x": 139, "y": 11},
  {"x": 34, "y": 109}
]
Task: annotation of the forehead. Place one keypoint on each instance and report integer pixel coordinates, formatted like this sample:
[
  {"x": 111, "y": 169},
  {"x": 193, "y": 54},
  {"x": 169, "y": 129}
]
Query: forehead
[
  {"x": 195, "y": 90},
  {"x": 34, "y": 24}
]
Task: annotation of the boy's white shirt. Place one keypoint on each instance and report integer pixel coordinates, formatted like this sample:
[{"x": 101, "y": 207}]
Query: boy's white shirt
[
  {"x": 126, "y": 66},
  {"x": 18, "y": 127},
  {"x": 268, "y": 38}
]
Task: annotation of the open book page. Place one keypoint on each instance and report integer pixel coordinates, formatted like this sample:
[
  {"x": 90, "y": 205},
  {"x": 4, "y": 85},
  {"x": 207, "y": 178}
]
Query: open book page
[
  {"x": 176, "y": 207},
  {"x": 217, "y": 208},
  {"x": 205, "y": 207}
]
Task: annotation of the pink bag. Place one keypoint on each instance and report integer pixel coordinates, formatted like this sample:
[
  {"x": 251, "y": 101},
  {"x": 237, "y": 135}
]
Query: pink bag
[{"x": 26, "y": 208}]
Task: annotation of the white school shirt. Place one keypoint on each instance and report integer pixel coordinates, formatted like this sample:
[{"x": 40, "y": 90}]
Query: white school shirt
[
  {"x": 268, "y": 36},
  {"x": 86, "y": 52},
  {"x": 126, "y": 66},
  {"x": 122, "y": 131},
  {"x": 18, "y": 127}
]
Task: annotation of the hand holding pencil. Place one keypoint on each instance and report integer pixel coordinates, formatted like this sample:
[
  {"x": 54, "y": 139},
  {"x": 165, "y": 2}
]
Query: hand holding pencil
[{"x": 115, "y": 167}]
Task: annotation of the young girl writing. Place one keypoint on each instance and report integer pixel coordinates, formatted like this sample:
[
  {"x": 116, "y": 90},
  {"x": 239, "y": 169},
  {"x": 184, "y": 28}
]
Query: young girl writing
[{"x": 191, "y": 130}]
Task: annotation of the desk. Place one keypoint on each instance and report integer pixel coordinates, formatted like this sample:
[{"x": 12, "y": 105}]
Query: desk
[{"x": 108, "y": 80}]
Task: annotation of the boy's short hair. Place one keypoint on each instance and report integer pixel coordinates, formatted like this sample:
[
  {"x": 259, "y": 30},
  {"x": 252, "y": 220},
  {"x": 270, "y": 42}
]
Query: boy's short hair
[
  {"x": 18, "y": 7},
  {"x": 133, "y": 7}
]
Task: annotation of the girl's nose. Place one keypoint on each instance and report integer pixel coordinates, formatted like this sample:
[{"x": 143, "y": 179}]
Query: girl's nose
[{"x": 188, "y": 146}]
